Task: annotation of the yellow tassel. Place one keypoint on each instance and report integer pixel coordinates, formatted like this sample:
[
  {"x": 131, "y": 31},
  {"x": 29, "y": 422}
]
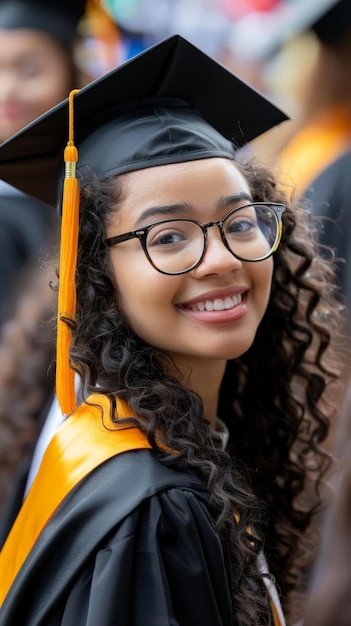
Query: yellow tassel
[{"x": 65, "y": 388}]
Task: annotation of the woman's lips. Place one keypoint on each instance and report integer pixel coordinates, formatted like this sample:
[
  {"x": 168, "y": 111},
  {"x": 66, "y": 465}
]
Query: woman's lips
[{"x": 218, "y": 309}]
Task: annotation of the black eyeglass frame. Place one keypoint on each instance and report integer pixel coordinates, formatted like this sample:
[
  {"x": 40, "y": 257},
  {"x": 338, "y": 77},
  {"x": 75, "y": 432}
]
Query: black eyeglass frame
[{"x": 142, "y": 233}]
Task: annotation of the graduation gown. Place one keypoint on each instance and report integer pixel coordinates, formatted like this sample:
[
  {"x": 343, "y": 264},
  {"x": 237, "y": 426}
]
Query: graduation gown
[
  {"x": 125, "y": 540},
  {"x": 133, "y": 545}
]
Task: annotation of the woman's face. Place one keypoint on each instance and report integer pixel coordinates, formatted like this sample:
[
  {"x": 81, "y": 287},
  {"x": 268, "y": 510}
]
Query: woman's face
[
  {"x": 34, "y": 76},
  {"x": 166, "y": 311}
]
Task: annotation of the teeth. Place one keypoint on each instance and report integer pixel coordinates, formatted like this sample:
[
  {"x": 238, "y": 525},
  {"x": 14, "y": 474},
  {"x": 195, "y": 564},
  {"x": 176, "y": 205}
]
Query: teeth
[{"x": 219, "y": 304}]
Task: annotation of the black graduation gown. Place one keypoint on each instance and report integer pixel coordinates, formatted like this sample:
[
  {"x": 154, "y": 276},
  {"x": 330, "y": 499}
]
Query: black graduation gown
[{"x": 133, "y": 544}]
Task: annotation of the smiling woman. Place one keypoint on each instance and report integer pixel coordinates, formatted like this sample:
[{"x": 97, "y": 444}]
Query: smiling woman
[
  {"x": 200, "y": 321},
  {"x": 190, "y": 302}
]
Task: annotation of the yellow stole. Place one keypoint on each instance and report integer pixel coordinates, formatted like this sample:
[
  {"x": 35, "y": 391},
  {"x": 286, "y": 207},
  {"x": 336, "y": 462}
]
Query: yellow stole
[
  {"x": 84, "y": 441},
  {"x": 314, "y": 147}
]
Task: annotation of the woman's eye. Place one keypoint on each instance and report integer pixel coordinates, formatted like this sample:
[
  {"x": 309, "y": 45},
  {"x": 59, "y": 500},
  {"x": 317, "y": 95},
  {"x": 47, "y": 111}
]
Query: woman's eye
[
  {"x": 166, "y": 238},
  {"x": 241, "y": 225}
]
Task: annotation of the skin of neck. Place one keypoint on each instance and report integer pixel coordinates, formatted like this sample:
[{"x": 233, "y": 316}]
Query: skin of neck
[{"x": 204, "y": 378}]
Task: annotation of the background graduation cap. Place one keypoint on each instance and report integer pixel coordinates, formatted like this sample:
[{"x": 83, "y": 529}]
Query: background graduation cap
[
  {"x": 261, "y": 34},
  {"x": 57, "y": 18},
  {"x": 194, "y": 109}
]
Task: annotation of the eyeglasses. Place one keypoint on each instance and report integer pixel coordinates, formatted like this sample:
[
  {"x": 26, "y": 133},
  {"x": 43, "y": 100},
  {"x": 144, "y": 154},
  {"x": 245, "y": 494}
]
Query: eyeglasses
[{"x": 251, "y": 233}]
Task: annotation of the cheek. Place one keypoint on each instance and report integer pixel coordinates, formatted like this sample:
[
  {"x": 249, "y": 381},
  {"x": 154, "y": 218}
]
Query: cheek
[
  {"x": 140, "y": 295},
  {"x": 139, "y": 287},
  {"x": 146, "y": 298}
]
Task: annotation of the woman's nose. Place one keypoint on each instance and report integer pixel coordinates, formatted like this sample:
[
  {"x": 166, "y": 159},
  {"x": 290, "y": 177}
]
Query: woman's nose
[{"x": 217, "y": 258}]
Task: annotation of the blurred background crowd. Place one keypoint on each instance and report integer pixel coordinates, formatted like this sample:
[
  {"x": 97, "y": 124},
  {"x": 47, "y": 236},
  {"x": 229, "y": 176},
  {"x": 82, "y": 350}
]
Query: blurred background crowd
[{"x": 297, "y": 52}]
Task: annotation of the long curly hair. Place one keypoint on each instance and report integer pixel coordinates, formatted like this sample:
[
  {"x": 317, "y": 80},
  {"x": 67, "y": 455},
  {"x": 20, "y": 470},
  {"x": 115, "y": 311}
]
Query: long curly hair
[{"x": 269, "y": 480}]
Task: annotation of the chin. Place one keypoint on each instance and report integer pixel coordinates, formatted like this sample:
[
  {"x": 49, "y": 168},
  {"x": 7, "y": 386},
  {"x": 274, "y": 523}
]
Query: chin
[
  {"x": 227, "y": 353},
  {"x": 236, "y": 349}
]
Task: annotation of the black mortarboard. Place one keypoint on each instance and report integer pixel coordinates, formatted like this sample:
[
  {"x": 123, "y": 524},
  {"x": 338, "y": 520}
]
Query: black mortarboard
[
  {"x": 112, "y": 135},
  {"x": 57, "y": 18},
  {"x": 172, "y": 103}
]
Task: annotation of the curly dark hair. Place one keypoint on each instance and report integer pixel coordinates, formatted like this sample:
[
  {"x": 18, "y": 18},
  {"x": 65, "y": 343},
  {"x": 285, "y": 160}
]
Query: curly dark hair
[{"x": 270, "y": 478}]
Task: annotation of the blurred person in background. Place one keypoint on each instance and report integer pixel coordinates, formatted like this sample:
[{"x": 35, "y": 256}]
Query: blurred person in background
[{"x": 37, "y": 70}]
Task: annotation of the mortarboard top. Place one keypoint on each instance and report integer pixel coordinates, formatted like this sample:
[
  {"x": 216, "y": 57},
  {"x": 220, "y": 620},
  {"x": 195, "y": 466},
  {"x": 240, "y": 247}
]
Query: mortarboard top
[
  {"x": 112, "y": 138},
  {"x": 57, "y": 18}
]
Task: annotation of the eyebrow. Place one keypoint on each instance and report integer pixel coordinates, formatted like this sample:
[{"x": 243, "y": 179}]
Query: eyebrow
[
  {"x": 163, "y": 211},
  {"x": 235, "y": 198},
  {"x": 170, "y": 210}
]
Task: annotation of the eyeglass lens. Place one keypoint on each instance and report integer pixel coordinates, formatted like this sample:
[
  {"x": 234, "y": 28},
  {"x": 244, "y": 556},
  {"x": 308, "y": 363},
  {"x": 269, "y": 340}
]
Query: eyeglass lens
[{"x": 250, "y": 233}]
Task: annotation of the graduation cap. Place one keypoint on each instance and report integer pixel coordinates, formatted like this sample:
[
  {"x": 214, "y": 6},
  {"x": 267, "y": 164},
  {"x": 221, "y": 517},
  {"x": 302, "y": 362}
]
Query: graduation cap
[
  {"x": 57, "y": 18},
  {"x": 171, "y": 103},
  {"x": 259, "y": 35}
]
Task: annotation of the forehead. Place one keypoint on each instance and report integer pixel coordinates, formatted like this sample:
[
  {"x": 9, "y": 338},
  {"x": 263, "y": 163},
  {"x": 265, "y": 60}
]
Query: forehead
[
  {"x": 189, "y": 176},
  {"x": 195, "y": 189}
]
